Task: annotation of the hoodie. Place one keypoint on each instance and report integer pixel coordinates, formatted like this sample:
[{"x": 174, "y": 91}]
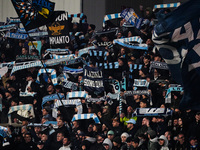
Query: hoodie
[
  {"x": 108, "y": 141},
  {"x": 165, "y": 146}
]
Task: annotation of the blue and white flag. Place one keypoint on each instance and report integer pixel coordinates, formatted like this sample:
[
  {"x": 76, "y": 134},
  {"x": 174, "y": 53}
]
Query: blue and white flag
[
  {"x": 93, "y": 79},
  {"x": 53, "y": 75},
  {"x": 130, "y": 16},
  {"x": 177, "y": 38},
  {"x": 86, "y": 116},
  {"x": 51, "y": 97}
]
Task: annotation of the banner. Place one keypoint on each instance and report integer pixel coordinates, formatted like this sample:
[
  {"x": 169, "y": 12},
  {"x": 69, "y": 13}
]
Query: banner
[
  {"x": 93, "y": 79},
  {"x": 12, "y": 20},
  {"x": 59, "y": 31},
  {"x": 140, "y": 112},
  {"x": 158, "y": 65}
]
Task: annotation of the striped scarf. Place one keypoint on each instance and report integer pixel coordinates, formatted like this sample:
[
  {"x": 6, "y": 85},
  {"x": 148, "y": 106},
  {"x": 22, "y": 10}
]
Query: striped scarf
[
  {"x": 53, "y": 75},
  {"x": 86, "y": 116}
]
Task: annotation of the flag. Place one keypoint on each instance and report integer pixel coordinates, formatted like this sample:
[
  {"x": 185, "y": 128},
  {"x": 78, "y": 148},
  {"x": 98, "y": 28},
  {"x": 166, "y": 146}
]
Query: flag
[
  {"x": 36, "y": 13},
  {"x": 177, "y": 38}
]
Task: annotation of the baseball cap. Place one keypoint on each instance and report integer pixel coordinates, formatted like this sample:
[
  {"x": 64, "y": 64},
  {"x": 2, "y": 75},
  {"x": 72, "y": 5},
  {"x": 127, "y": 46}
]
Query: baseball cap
[
  {"x": 131, "y": 121},
  {"x": 110, "y": 132}
]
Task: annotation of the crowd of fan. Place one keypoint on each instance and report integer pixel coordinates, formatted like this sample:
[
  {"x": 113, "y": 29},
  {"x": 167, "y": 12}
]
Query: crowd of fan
[{"x": 118, "y": 130}]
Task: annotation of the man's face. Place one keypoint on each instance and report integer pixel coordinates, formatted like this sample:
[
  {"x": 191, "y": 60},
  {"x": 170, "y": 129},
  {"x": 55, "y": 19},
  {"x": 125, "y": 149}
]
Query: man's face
[
  {"x": 65, "y": 141},
  {"x": 60, "y": 137},
  {"x": 110, "y": 136},
  {"x": 115, "y": 123},
  {"x": 161, "y": 142},
  {"x": 60, "y": 123},
  {"x": 27, "y": 138},
  {"x": 44, "y": 137}
]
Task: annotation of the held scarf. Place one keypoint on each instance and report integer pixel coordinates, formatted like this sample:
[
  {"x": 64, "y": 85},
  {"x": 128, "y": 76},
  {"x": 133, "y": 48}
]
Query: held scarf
[
  {"x": 52, "y": 97},
  {"x": 158, "y": 65},
  {"x": 25, "y": 65},
  {"x": 53, "y": 75},
  {"x": 169, "y": 90},
  {"x": 70, "y": 85},
  {"x": 111, "y": 65},
  {"x": 59, "y": 51},
  {"x": 171, "y": 5},
  {"x": 111, "y": 16},
  {"x": 85, "y": 50},
  {"x": 86, "y": 116},
  {"x": 8, "y": 27},
  {"x": 77, "y": 94},
  {"x": 71, "y": 102},
  {"x": 27, "y": 57},
  {"x": 126, "y": 42},
  {"x": 140, "y": 83},
  {"x": 9, "y": 65},
  {"x": 72, "y": 71},
  {"x": 27, "y": 107},
  {"x": 140, "y": 112},
  {"x": 138, "y": 92},
  {"x": 68, "y": 57},
  {"x": 26, "y": 94}
]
